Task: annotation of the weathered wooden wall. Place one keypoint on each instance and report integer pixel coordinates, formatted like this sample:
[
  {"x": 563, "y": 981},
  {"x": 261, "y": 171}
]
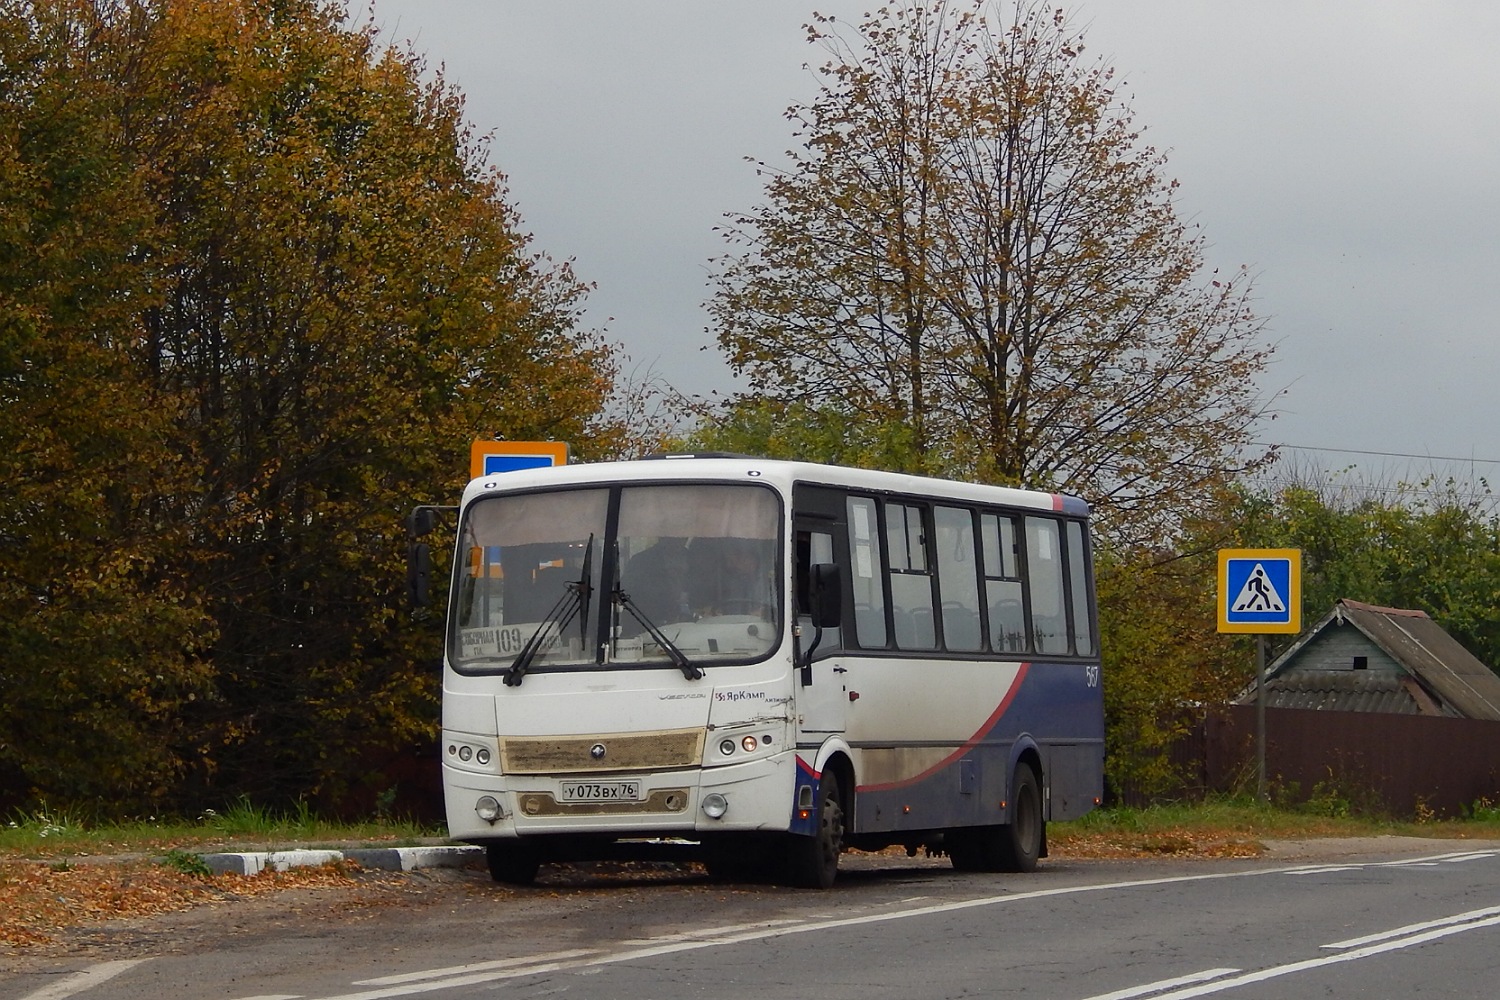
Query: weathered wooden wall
[{"x": 1407, "y": 765}]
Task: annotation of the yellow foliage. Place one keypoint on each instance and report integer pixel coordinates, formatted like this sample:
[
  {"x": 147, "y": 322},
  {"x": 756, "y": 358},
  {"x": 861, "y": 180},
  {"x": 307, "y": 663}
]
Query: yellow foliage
[{"x": 273, "y": 289}]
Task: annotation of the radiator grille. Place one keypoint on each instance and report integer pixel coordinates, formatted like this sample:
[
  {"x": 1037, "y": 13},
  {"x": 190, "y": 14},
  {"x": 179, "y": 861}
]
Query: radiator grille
[{"x": 622, "y": 752}]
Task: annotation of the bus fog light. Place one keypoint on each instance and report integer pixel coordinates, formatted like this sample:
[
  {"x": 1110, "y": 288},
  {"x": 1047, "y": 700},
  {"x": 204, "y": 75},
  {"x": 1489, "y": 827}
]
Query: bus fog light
[
  {"x": 749, "y": 743},
  {"x": 715, "y": 805},
  {"x": 726, "y": 747},
  {"x": 488, "y": 809}
]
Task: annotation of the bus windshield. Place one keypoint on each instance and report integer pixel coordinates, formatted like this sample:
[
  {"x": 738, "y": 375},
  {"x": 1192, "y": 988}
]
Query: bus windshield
[{"x": 688, "y": 571}]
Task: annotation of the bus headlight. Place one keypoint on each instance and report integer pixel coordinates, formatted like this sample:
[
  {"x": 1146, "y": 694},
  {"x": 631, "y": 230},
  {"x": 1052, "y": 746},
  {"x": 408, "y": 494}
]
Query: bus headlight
[
  {"x": 714, "y": 805},
  {"x": 726, "y": 747},
  {"x": 488, "y": 808}
]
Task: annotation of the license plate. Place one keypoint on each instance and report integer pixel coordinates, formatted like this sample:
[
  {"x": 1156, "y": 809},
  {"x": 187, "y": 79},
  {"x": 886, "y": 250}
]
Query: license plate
[{"x": 601, "y": 791}]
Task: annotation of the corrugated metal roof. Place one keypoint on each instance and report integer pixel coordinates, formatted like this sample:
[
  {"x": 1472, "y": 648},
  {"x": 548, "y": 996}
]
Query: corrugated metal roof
[
  {"x": 1441, "y": 677},
  {"x": 1352, "y": 691},
  {"x": 1421, "y": 646}
]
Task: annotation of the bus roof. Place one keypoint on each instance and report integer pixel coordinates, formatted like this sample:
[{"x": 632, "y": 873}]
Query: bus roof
[{"x": 781, "y": 474}]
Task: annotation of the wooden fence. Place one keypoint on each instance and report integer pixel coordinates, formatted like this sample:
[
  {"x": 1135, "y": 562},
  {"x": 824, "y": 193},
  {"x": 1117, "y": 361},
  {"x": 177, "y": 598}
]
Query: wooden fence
[{"x": 1409, "y": 766}]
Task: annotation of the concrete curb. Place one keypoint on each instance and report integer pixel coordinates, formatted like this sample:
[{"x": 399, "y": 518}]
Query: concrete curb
[{"x": 395, "y": 859}]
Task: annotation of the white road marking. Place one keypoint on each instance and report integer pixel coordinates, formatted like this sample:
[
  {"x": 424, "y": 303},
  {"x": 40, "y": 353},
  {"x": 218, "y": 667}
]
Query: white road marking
[
  {"x": 1165, "y": 984},
  {"x": 1395, "y": 932},
  {"x": 1354, "y": 955},
  {"x": 87, "y": 979},
  {"x": 1427, "y": 862},
  {"x": 485, "y": 972},
  {"x": 707, "y": 933},
  {"x": 460, "y": 970}
]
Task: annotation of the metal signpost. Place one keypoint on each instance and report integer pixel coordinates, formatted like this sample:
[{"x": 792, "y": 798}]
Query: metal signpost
[{"x": 1260, "y": 593}]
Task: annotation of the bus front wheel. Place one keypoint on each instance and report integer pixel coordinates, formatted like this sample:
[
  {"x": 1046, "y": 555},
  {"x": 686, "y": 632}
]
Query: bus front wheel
[
  {"x": 813, "y": 862},
  {"x": 512, "y": 862}
]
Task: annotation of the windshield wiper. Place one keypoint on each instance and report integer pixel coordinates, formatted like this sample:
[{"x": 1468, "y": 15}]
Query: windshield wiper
[
  {"x": 678, "y": 657},
  {"x": 574, "y": 601}
]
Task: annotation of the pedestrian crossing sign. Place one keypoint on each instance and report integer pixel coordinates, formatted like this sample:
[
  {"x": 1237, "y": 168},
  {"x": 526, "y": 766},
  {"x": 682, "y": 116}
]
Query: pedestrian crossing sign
[{"x": 1260, "y": 590}]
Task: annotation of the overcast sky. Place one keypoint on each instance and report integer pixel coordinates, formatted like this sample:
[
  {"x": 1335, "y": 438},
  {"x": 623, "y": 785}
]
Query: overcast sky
[{"x": 1348, "y": 151}]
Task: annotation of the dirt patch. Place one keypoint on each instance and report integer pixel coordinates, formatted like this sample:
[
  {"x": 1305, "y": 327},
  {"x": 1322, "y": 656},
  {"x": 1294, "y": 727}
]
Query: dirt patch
[{"x": 39, "y": 900}]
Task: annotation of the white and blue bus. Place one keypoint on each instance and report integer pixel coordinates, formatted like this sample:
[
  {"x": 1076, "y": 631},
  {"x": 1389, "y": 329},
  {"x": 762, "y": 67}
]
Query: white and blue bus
[{"x": 769, "y": 661}]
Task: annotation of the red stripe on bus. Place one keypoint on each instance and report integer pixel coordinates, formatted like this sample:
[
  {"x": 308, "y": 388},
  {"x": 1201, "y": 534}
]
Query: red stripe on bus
[{"x": 968, "y": 745}]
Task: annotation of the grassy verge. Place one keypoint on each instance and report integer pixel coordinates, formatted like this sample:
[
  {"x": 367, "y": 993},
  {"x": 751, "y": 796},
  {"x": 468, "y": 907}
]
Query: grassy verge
[
  {"x": 47, "y": 833},
  {"x": 1239, "y": 826}
]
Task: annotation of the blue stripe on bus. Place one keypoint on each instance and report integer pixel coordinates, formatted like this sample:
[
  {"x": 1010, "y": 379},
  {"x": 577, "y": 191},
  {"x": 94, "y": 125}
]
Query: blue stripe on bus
[{"x": 970, "y": 787}]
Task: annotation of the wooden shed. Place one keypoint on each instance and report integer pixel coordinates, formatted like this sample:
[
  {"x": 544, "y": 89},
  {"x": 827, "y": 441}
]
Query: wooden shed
[{"x": 1364, "y": 658}]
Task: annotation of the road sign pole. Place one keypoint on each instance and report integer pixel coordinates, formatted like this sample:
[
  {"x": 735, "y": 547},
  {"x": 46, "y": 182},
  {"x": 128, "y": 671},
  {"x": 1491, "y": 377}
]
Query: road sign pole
[
  {"x": 1260, "y": 593},
  {"x": 1260, "y": 718}
]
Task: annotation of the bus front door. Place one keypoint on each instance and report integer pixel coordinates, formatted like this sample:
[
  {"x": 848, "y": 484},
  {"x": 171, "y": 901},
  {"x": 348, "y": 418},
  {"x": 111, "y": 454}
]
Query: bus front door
[
  {"x": 822, "y": 694},
  {"x": 823, "y": 697}
]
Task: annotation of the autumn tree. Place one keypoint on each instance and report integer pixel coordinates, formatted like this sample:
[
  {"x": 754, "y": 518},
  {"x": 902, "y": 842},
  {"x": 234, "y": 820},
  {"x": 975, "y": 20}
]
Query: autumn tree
[
  {"x": 1166, "y": 666},
  {"x": 971, "y": 243},
  {"x": 329, "y": 295},
  {"x": 100, "y": 639}
]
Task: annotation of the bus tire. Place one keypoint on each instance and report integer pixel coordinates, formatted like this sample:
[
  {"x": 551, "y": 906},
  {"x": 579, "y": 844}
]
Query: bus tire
[
  {"x": 1009, "y": 847},
  {"x": 813, "y": 862},
  {"x": 512, "y": 862},
  {"x": 1021, "y": 840}
]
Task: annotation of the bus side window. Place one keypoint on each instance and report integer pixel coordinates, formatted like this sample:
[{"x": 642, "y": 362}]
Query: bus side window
[
  {"x": 813, "y": 548},
  {"x": 1078, "y": 587},
  {"x": 958, "y": 586},
  {"x": 1002, "y": 584},
  {"x": 866, "y": 578},
  {"x": 1044, "y": 579},
  {"x": 911, "y": 577}
]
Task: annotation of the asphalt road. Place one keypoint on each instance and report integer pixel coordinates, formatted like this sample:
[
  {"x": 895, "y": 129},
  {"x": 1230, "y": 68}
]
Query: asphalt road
[{"x": 1387, "y": 919}]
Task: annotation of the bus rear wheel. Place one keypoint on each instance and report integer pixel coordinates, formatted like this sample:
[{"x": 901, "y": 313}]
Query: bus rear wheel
[
  {"x": 1011, "y": 847},
  {"x": 1021, "y": 841},
  {"x": 513, "y": 862}
]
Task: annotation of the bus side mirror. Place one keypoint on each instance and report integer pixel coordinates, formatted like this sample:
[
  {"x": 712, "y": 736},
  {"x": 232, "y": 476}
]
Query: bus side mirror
[
  {"x": 421, "y": 521},
  {"x": 418, "y": 570},
  {"x": 825, "y": 595}
]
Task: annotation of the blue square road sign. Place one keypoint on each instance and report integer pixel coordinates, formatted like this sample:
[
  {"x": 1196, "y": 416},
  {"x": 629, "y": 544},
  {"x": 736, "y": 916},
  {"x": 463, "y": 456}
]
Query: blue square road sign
[{"x": 1260, "y": 590}]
